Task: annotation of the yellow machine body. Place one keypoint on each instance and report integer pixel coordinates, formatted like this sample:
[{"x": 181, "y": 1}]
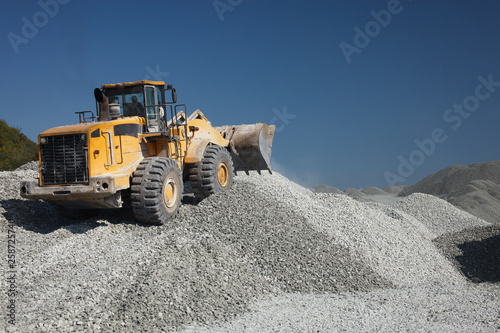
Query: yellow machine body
[{"x": 91, "y": 164}]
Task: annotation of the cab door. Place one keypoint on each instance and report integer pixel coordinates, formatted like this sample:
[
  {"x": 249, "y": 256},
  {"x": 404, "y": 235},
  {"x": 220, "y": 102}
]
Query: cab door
[{"x": 154, "y": 121}]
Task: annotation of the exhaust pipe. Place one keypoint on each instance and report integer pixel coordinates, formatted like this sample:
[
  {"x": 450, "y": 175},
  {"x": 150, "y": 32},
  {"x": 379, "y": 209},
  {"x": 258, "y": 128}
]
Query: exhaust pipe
[{"x": 103, "y": 105}]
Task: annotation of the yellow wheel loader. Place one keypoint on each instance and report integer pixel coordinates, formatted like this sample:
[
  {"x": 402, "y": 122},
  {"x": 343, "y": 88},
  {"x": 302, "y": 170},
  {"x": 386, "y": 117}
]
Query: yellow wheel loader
[{"x": 140, "y": 149}]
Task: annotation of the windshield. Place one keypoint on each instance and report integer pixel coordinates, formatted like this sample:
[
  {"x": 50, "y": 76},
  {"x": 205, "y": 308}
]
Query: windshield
[{"x": 130, "y": 99}]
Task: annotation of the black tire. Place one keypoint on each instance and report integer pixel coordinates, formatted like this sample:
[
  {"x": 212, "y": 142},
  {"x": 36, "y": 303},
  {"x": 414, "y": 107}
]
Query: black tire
[
  {"x": 213, "y": 174},
  {"x": 156, "y": 191}
]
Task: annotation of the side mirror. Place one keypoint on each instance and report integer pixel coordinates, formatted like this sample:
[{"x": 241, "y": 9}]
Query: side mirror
[
  {"x": 174, "y": 93},
  {"x": 174, "y": 96}
]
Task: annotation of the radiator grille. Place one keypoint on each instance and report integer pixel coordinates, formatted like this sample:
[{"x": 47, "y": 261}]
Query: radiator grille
[{"x": 64, "y": 159}]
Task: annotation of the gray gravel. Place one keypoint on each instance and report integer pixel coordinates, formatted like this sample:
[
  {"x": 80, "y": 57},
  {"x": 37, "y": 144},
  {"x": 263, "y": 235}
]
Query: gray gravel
[
  {"x": 265, "y": 246},
  {"x": 387, "y": 195},
  {"x": 373, "y": 191},
  {"x": 475, "y": 251},
  {"x": 439, "y": 216},
  {"x": 418, "y": 309},
  {"x": 325, "y": 189},
  {"x": 474, "y": 188}
]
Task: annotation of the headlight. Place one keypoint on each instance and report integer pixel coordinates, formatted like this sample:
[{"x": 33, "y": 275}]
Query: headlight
[{"x": 43, "y": 140}]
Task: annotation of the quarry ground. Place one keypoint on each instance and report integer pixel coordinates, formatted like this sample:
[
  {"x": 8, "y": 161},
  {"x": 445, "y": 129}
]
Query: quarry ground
[{"x": 265, "y": 256}]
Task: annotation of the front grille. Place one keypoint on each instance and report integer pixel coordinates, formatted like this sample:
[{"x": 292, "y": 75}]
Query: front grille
[{"x": 64, "y": 159}]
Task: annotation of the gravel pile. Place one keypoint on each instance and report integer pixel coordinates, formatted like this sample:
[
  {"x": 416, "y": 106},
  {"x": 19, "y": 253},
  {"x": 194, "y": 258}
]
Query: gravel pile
[
  {"x": 454, "y": 178},
  {"x": 387, "y": 195},
  {"x": 475, "y": 251},
  {"x": 9, "y": 180},
  {"x": 395, "y": 190},
  {"x": 355, "y": 194},
  {"x": 265, "y": 237},
  {"x": 439, "y": 216},
  {"x": 474, "y": 188},
  {"x": 326, "y": 189},
  {"x": 373, "y": 191},
  {"x": 399, "y": 249},
  {"x": 419, "y": 309}
]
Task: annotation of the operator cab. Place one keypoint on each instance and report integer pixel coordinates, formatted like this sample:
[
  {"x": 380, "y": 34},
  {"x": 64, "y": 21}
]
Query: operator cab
[{"x": 141, "y": 98}]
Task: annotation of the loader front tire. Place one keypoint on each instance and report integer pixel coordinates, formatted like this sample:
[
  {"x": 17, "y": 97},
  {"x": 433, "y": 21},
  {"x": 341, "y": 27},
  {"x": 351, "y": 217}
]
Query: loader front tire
[
  {"x": 213, "y": 174},
  {"x": 156, "y": 191}
]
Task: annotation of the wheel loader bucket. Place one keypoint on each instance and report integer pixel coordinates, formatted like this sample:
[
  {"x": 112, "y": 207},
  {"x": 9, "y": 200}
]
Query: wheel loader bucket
[{"x": 250, "y": 145}]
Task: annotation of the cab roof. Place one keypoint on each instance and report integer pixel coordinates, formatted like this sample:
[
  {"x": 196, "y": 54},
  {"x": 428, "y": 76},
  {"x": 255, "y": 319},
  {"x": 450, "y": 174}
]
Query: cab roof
[{"x": 129, "y": 84}]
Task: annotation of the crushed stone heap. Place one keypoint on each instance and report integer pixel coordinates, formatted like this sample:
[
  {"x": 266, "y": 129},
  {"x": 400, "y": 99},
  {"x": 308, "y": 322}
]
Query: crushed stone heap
[
  {"x": 474, "y": 188},
  {"x": 264, "y": 236}
]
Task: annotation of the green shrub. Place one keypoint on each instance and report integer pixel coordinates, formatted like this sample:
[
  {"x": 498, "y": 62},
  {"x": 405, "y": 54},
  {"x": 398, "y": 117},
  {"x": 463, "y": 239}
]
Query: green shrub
[{"x": 16, "y": 148}]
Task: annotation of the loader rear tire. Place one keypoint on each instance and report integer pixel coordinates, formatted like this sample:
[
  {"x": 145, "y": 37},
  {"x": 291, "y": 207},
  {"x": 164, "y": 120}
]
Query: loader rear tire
[
  {"x": 156, "y": 191},
  {"x": 213, "y": 174}
]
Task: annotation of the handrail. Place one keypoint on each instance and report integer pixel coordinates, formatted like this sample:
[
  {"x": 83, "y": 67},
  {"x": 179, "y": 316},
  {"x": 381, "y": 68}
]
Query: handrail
[
  {"x": 82, "y": 118},
  {"x": 121, "y": 150},
  {"x": 110, "y": 151}
]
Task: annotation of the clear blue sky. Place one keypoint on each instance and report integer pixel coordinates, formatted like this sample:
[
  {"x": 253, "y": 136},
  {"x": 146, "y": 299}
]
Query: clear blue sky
[{"x": 348, "y": 105}]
